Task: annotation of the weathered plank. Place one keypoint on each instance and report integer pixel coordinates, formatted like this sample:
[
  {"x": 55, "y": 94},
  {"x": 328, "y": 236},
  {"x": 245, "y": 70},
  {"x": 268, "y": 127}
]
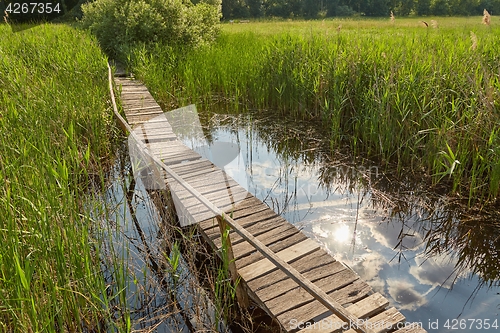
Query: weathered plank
[
  {"x": 244, "y": 248},
  {"x": 349, "y": 294},
  {"x": 331, "y": 324},
  {"x": 276, "y": 234},
  {"x": 385, "y": 321},
  {"x": 279, "y": 305},
  {"x": 148, "y": 108},
  {"x": 369, "y": 306},
  {"x": 263, "y": 266},
  {"x": 318, "y": 260},
  {"x": 275, "y": 247},
  {"x": 287, "y": 286},
  {"x": 259, "y": 221},
  {"x": 186, "y": 167}
]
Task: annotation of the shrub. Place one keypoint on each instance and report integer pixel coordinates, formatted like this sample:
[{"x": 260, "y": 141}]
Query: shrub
[{"x": 118, "y": 24}]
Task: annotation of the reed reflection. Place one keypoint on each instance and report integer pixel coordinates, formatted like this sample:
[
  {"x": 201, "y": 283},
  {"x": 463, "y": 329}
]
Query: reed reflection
[{"x": 426, "y": 252}]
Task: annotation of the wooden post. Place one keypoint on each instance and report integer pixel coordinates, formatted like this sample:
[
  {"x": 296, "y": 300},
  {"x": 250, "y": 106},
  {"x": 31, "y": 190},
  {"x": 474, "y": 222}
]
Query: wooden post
[{"x": 241, "y": 294}]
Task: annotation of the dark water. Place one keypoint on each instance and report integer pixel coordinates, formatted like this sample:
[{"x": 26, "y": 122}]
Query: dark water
[
  {"x": 140, "y": 280},
  {"x": 436, "y": 264}
]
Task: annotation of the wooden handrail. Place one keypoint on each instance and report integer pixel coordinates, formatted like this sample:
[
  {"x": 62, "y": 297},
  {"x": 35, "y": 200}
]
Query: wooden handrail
[{"x": 319, "y": 294}]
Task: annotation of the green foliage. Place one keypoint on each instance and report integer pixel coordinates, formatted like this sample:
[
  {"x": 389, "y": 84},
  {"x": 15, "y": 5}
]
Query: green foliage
[
  {"x": 55, "y": 129},
  {"x": 118, "y": 24}
]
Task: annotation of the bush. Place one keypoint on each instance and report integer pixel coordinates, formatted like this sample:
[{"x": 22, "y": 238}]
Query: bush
[{"x": 118, "y": 24}]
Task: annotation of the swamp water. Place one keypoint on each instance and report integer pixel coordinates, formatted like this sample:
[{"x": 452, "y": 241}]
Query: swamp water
[
  {"x": 439, "y": 267},
  {"x": 147, "y": 275},
  {"x": 436, "y": 265}
]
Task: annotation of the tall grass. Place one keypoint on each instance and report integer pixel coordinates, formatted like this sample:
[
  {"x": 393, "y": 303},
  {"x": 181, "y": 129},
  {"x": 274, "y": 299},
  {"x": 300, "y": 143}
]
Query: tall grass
[
  {"x": 424, "y": 100},
  {"x": 55, "y": 135}
]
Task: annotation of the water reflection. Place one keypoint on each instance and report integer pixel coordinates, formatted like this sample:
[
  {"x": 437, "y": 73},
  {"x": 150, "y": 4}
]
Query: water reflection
[
  {"x": 137, "y": 260},
  {"x": 429, "y": 258}
]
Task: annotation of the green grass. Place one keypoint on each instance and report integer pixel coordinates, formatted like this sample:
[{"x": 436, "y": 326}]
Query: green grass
[
  {"x": 423, "y": 100},
  {"x": 55, "y": 135}
]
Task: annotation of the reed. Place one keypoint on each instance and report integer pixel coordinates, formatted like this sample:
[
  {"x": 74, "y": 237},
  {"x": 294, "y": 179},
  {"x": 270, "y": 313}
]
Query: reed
[
  {"x": 422, "y": 100},
  {"x": 56, "y": 137}
]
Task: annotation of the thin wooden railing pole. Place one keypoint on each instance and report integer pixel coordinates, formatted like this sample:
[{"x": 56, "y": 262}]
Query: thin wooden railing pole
[
  {"x": 319, "y": 294},
  {"x": 241, "y": 294}
]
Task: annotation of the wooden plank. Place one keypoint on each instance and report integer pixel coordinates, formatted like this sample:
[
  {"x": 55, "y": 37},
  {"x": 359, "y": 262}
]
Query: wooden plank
[
  {"x": 318, "y": 260},
  {"x": 369, "y": 306},
  {"x": 141, "y": 119},
  {"x": 249, "y": 200},
  {"x": 165, "y": 135},
  {"x": 276, "y": 247},
  {"x": 171, "y": 147},
  {"x": 217, "y": 196},
  {"x": 156, "y": 134},
  {"x": 240, "y": 212},
  {"x": 283, "y": 286},
  {"x": 349, "y": 294},
  {"x": 147, "y": 108},
  {"x": 386, "y": 320},
  {"x": 130, "y": 88},
  {"x": 180, "y": 159},
  {"x": 179, "y": 151},
  {"x": 281, "y": 304},
  {"x": 265, "y": 232},
  {"x": 215, "y": 182},
  {"x": 331, "y": 324},
  {"x": 134, "y": 104},
  {"x": 250, "y": 219},
  {"x": 262, "y": 218},
  {"x": 258, "y": 220},
  {"x": 140, "y": 95},
  {"x": 129, "y": 83},
  {"x": 266, "y": 216},
  {"x": 296, "y": 251},
  {"x": 186, "y": 166},
  {"x": 201, "y": 172},
  {"x": 134, "y": 88},
  {"x": 135, "y": 93},
  {"x": 244, "y": 248},
  {"x": 144, "y": 113},
  {"x": 138, "y": 103},
  {"x": 175, "y": 157},
  {"x": 159, "y": 121}
]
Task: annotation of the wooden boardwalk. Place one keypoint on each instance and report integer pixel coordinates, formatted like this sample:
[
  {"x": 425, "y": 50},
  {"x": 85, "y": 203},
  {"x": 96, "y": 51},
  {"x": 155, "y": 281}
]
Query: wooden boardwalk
[{"x": 269, "y": 287}]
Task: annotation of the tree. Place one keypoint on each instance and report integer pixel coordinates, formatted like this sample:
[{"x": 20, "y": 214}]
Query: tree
[
  {"x": 464, "y": 7},
  {"x": 255, "y": 8},
  {"x": 440, "y": 8},
  {"x": 378, "y": 8},
  {"x": 119, "y": 24},
  {"x": 311, "y": 8},
  {"x": 423, "y": 7},
  {"x": 405, "y": 7}
]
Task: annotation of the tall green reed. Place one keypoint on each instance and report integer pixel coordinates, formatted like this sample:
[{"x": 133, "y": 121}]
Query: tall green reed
[
  {"x": 424, "y": 100},
  {"x": 55, "y": 136}
]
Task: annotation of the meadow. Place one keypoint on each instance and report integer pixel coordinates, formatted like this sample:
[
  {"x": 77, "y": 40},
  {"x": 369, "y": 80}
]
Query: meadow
[
  {"x": 56, "y": 141},
  {"x": 419, "y": 98}
]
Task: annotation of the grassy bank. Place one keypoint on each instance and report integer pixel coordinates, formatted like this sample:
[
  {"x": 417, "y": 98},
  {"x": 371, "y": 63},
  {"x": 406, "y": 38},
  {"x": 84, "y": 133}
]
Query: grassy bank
[
  {"x": 423, "y": 99},
  {"x": 54, "y": 139}
]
